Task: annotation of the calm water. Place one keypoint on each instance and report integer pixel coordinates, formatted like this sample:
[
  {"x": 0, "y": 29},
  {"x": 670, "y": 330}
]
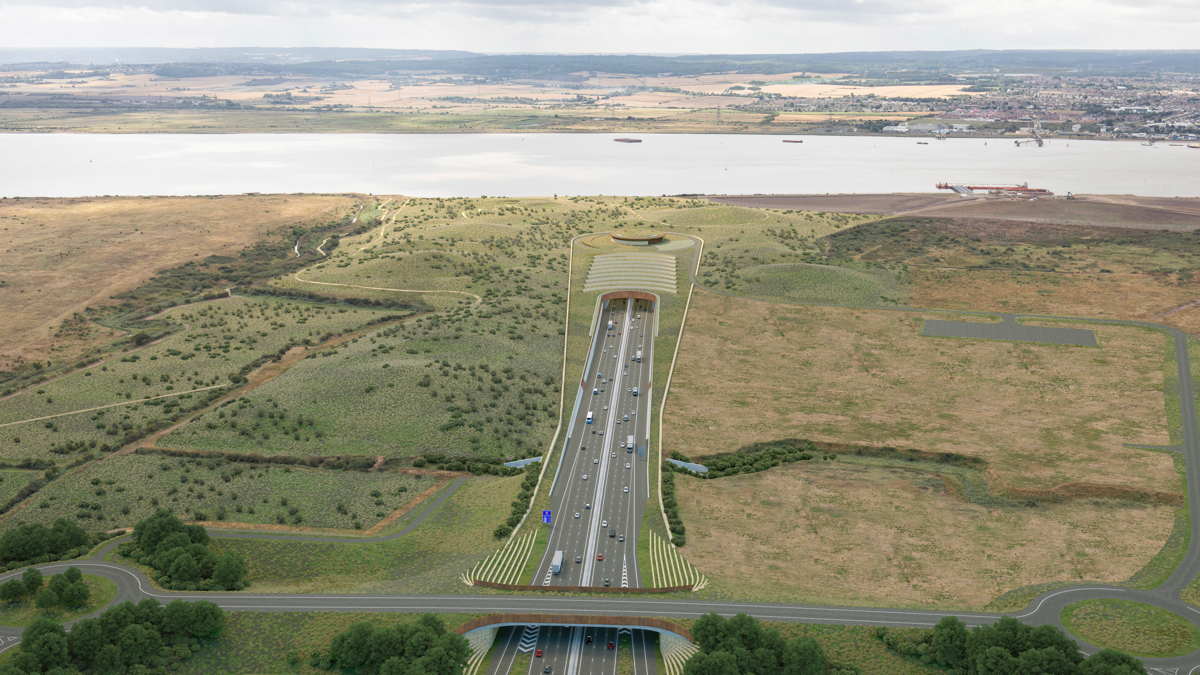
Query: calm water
[{"x": 68, "y": 165}]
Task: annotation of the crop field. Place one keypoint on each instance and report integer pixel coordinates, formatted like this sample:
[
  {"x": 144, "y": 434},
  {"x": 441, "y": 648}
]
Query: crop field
[
  {"x": 429, "y": 559},
  {"x": 1041, "y": 415},
  {"x": 1037, "y": 267},
  {"x": 220, "y": 338},
  {"x": 1131, "y": 627},
  {"x": 20, "y": 614},
  {"x": 120, "y": 491},
  {"x": 62, "y": 255},
  {"x": 878, "y": 535},
  {"x": 261, "y": 642}
]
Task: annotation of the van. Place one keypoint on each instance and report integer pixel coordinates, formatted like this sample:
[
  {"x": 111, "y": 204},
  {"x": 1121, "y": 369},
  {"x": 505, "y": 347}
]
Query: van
[
  {"x": 610, "y": 325},
  {"x": 595, "y": 392},
  {"x": 635, "y": 391},
  {"x": 639, "y": 356}
]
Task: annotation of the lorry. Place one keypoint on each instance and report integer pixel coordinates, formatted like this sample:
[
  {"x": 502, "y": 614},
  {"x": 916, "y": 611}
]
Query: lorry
[
  {"x": 556, "y": 564},
  {"x": 629, "y": 444},
  {"x": 610, "y": 325},
  {"x": 639, "y": 356}
]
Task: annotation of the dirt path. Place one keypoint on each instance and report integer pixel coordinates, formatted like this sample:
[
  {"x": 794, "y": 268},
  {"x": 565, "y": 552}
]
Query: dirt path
[
  {"x": 112, "y": 405},
  {"x": 296, "y": 276}
]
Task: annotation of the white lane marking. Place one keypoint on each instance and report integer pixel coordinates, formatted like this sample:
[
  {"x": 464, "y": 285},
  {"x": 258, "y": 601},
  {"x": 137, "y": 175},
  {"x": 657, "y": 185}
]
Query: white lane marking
[
  {"x": 529, "y": 638},
  {"x": 1069, "y": 590},
  {"x": 624, "y": 572}
]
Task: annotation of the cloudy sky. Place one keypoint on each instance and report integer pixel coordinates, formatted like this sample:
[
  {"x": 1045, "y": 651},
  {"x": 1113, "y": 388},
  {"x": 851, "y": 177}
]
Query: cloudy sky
[{"x": 621, "y": 26}]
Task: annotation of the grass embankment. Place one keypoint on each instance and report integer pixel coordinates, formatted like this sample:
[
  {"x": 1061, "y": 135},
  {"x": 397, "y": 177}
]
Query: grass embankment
[
  {"x": 20, "y": 614},
  {"x": 120, "y": 491},
  {"x": 266, "y": 642},
  {"x": 1131, "y": 627},
  {"x": 127, "y": 393},
  {"x": 429, "y": 559}
]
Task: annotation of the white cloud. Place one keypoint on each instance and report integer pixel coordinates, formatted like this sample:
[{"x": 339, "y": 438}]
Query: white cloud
[{"x": 681, "y": 26}]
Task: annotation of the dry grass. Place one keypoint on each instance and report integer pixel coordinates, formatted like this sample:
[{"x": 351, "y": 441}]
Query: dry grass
[
  {"x": 62, "y": 255},
  {"x": 1041, "y": 415},
  {"x": 1132, "y": 627},
  {"x": 846, "y": 534}
]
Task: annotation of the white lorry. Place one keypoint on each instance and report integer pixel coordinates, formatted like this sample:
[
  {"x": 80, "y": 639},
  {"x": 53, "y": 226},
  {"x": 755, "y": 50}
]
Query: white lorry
[{"x": 556, "y": 564}]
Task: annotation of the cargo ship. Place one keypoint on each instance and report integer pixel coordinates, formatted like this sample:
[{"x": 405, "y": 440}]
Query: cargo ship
[
  {"x": 628, "y": 140},
  {"x": 788, "y": 140}
]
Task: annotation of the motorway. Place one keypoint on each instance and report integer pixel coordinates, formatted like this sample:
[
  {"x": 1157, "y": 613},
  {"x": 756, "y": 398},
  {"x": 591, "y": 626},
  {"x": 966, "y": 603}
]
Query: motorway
[
  {"x": 599, "y": 495},
  {"x": 570, "y": 649}
]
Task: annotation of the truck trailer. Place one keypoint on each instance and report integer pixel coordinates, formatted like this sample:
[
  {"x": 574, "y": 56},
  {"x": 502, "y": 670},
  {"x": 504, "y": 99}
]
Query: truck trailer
[{"x": 556, "y": 564}]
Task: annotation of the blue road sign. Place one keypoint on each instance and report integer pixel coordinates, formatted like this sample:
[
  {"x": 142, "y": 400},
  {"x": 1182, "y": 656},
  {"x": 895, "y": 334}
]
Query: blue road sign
[{"x": 546, "y": 516}]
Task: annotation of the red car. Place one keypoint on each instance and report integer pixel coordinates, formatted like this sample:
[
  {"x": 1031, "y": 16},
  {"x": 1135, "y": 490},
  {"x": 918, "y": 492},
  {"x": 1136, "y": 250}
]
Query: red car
[
  {"x": 611, "y": 646},
  {"x": 538, "y": 653},
  {"x": 599, "y": 556}
]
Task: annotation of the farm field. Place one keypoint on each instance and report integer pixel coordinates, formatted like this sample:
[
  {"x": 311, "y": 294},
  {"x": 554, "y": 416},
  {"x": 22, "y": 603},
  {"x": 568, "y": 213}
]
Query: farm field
[
  {"x": 429, "y": 559},
  {"x": 62, "y": 255},
  {"x": 219, "y": 338},
  {"x": 262, "y": 642},
  {"x": 120, "y": 491},
  {"x": 891, "y": 535},
  {"x": 1040, "y": 415}
]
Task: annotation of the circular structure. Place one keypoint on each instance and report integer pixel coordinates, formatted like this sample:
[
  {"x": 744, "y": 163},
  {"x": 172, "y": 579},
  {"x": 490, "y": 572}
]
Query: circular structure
[
  {"x": 1132, "y": 627},
  {"x": 637, "y": 237}
]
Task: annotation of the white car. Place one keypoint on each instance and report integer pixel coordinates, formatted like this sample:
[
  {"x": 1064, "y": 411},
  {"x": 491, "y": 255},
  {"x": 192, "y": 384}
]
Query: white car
[
  {"x": 576, "y": 515},
  {"x": 615, "y": 454},
  {"x": 604, "y": 523},
  {"x": 595, "y": 461},
  {"x": 606, "y": 407},
  {"x": 627, "y": 488},
  {"x": 626, "y": 465},
  {"x": 585, "y": 476}
]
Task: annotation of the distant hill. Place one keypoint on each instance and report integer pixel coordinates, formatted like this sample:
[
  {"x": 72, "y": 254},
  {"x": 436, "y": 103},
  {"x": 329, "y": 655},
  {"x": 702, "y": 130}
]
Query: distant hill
[{"x": 260, "y": 55}]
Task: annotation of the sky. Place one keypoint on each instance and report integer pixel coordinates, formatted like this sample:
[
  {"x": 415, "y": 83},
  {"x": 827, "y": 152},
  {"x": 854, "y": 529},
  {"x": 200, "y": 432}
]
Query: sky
[{"x": 606, "y": 26}]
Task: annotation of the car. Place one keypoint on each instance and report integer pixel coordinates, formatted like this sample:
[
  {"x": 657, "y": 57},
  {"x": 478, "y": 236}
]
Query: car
[
  {"x": 587, "y": 506},
  {"x": 583, "y": 447},
  {"x": 578, "y": 558},
  {"x": 621, "y": 538},
  {"x": 595, "y": 461},
  {"x": 599, "y": 556},
  {"x": 618, "y": 421},
  {"x": 585, "y": 476},
  {"x": 614, "y": 356},
  {"x": 601, "y": 432},
  {"x": 595, "y": 391},
  {"x": 599, "y": 375},
  {"x": 601, "y": 390},
  {"x": 608, "y": 582},
  {"x": 604, "y": 523},
  {"x": 587, "y": 640},
  {"x": 606, "y": 407},
  {"x": 611, "y": 645},
  {"x": 633, "y": 412},
  {"x": 576, "y": 514},
  {"x": 628, "y": 389},
  {"x": 627, "y": 488},
  {"x": 612, "y": 533},
  {"x": 626, "y": 465},
  {"x": 627, "y": 418},
  {"x": 615, "y": 454},
  {"x": 593, "y": 431},
  {"x": 546, "y": 669},
  {"x": 538, "y": 653}
]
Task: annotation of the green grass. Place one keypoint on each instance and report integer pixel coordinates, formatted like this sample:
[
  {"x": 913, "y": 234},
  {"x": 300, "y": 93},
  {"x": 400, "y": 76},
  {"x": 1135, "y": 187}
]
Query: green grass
[
  {"x": 11, "y": 481},
  {"x": 120, "y": 491},
  {"x": 429, "y": 559},
  {"x": 259, "y": 642},
  {"x": 20, "y": 614},
  {"x": 520, "y": 664},
  {"x": 218, "y": 340},
  {"x": 1131, "y": 627},
  {"x": 851, "y": 284}
]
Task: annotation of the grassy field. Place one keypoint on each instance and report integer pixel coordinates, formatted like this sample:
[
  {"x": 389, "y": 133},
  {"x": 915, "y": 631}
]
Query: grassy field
[
  {"x": 62, "y": 255},
  {"x": 126, "y": 391},
  {"x": 428, "y": 560},
  {"x": 879, "y": 535},
  {"x": 1131, "y": 627},
  {"x": 12, "y": 480},
  {"x": 262, "y": 642},
  {"x": 1096, "y": 268},
  {"x": 120, "y": 491},
  {"x": 1040, "y": 415},
  {"x": 20, "y": 614}
]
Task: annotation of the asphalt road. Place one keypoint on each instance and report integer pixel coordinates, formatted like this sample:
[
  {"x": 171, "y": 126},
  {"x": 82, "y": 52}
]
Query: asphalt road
[{"x": 611, "y": 500}]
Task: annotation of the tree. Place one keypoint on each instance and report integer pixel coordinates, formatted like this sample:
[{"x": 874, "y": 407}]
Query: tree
[
  {"x": 46, "y": 640},
  {"x": 47, "y": 599},
  {"x": 393, "y": 666},
  {"x": 207, "y": 619},
  {"x": 86, "y": 639},
  {"x": 184, "y": 568},
  {"x": 1045, "y": 661},
  {"x": 33, "y": 581},
  {"x": 108, "y": 661},
  {"x": 149, "y": 532},
  {"x": 73, "y": 575},
  {"x": 1112, "y": 662},
  {"x": 717, "y": 663},
  {"x": 950, "y": 642},
  {"x": 12, "y": 590},
  {"x": 352, "y": 648},
  {"x": 58, "y": 584},
  {"x": 76, "y": 595},
  {"x": 138, "y": 645},
  {"x": 178, "y": 617},
  {"x": 230, "y": 570},
  {"x": 26, "y": 662},
  {"x": 803, "y": 656},
  {"x": 141, "y": 337}
]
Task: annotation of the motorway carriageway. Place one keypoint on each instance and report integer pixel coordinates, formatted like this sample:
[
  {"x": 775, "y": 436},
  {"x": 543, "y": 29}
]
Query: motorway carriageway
[
  {"x": 594, "y": 450},
  {"x": 565, "y": 650}
]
